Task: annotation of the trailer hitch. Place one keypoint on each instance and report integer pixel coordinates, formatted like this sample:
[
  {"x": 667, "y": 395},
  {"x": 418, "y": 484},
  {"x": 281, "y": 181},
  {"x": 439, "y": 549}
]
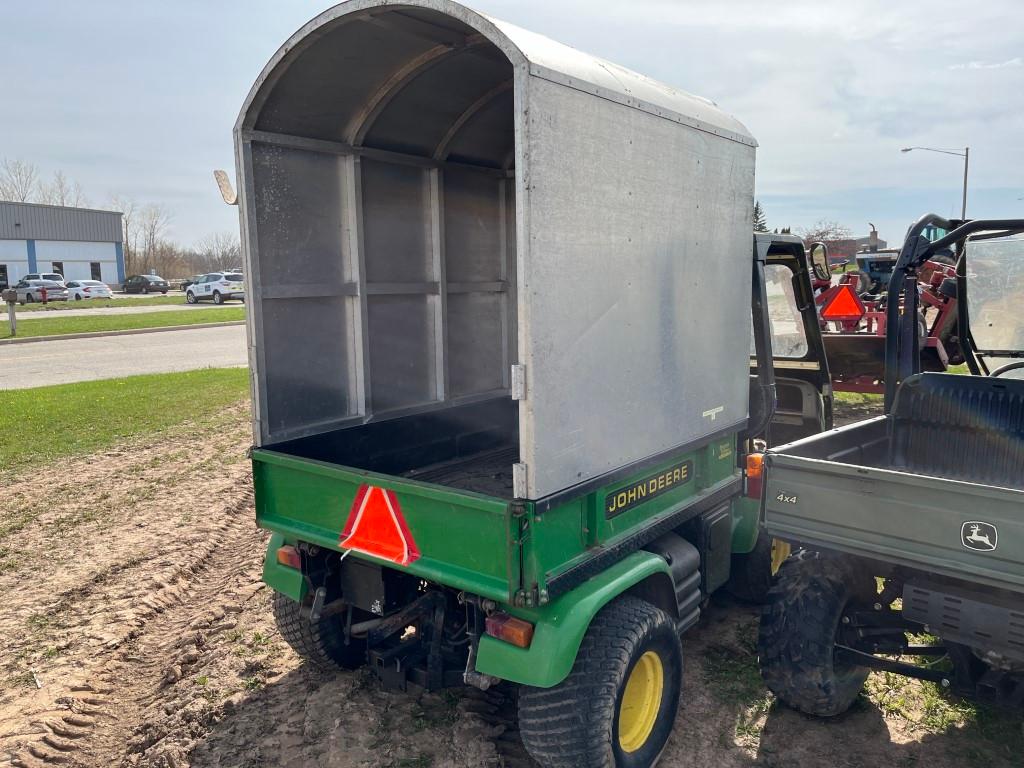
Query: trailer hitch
[{"x": 381, "y": 629}]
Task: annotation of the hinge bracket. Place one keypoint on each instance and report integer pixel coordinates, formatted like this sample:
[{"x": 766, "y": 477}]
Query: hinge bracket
[
  {"x": 518, "y": 383},
  {"x": 519, "y": 480}
]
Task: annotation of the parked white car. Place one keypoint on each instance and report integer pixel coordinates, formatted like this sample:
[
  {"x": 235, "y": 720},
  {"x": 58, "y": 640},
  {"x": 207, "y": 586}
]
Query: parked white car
[
  {"x": 54, "y": 276},
  {"x": 32, "y": 290},
  {"x": 216, "y": 286},
  {"x": 88, "y": 289}
]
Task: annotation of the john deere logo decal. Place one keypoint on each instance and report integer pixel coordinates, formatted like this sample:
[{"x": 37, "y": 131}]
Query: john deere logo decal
[
  {"x": 982, "y": 537},
  {"x": 617, "y": 502}
]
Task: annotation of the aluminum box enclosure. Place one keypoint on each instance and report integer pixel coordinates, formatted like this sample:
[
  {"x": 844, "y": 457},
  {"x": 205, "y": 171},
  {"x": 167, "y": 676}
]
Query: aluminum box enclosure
[{"x": 431, "y": 198}]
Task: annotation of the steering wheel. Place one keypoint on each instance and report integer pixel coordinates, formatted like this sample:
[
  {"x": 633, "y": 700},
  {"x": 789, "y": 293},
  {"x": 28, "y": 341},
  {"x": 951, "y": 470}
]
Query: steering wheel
[{"x": 1016, "y": 365}]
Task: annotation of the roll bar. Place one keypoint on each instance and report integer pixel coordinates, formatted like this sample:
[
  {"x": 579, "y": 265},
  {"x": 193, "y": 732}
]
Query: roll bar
[{"x": 902, "y": 342}]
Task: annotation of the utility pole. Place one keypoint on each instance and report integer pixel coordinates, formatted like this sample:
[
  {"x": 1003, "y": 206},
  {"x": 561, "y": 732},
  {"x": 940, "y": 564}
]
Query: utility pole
[{"x": 966, "y": 155}]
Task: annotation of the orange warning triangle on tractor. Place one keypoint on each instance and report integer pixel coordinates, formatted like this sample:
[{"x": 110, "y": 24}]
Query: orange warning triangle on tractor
[
  {"x": 843, "y": 305},
  {"x": 376, "y": 527}
]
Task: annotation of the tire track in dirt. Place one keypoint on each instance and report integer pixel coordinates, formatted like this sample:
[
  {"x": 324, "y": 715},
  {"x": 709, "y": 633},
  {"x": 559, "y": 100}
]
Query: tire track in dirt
[
  {"x": 99, "y": 552},
  {"x": 197, "y": 590}
]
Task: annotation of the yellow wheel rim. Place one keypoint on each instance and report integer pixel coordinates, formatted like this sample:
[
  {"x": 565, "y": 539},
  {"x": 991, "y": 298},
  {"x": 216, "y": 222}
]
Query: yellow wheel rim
[
  {"x": 780, "y": 551},
  {"x": 641, "y": 700}
]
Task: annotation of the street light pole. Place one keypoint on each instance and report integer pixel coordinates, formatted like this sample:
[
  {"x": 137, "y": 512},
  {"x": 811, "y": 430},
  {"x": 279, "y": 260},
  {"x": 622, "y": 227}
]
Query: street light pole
[
  {"x": 966, "y": 155},
  {"x": 963, "y": 206}
]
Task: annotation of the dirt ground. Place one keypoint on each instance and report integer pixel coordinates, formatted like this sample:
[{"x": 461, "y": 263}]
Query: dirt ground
[{"x": 134, "y": 631}]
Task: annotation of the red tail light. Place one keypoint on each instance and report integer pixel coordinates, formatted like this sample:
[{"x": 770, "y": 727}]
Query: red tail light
[
  {"x": 755, "y": 474},
  {"x": 510, "y": 629},
  {"x": 290, "y": 556}
]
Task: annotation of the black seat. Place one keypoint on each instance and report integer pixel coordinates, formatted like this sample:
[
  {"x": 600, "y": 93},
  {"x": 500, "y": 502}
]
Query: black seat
[{"x": 960, "y": 427}]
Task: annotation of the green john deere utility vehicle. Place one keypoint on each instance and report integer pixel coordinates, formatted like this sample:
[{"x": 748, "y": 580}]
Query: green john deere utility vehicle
[{"x": 503, "y": 386}]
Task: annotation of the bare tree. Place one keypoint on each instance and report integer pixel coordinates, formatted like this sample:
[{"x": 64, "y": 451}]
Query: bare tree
[
  {"x": 62, "y": 191},
  {"x": 839, "y": 239},
  {"x": 19, "y": 181},
  {"x": 130, "y": 229},
  {"x": 219, "y": 251},
  {"x": 825, "y": 231},
  {"x": 169, "y": 260},
  {"x": 153, "y": 222}
]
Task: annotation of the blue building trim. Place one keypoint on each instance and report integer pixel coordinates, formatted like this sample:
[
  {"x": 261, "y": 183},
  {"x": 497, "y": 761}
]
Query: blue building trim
[
  {"x": 119, "y": 252},
  {"x": 31, "y": 256}
]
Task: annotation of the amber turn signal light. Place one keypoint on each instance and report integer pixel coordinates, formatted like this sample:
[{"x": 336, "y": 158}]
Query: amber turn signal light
[
  {"x": 290, "y": 556},
  {"x": 755, "y": 474},
  {"x": 510, "y": 629}
]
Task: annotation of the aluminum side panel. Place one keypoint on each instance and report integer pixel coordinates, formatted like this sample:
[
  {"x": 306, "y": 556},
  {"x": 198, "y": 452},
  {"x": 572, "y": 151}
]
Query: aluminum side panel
[
  {"x": 895, "y": 516},
  {"x": 634, "y": 275}
]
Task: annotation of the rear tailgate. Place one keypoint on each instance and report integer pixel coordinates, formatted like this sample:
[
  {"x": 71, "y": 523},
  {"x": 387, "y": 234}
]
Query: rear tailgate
[
  {"x": 909, "y": 519},
  {"x": 465, "y": 540}
]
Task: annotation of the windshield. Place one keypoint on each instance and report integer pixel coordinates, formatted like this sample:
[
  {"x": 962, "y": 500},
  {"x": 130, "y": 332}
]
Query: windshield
[
  {"x": 787, "y": 325},
  {"x": 995, "y": 288}
]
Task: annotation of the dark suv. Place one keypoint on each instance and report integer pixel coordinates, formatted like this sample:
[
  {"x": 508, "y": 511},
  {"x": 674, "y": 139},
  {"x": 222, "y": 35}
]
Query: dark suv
[{"x": 145, "y": 284}]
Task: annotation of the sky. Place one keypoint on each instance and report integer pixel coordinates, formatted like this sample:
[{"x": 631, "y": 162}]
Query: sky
[{"x": 139, "y": 98}]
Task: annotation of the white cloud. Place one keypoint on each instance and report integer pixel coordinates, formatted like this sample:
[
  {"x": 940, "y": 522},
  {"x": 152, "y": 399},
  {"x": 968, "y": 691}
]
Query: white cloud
[{"x": 1014, "y": 62}]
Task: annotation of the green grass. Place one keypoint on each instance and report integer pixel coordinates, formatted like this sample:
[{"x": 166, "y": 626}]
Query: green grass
[
  {"x": 39, "y": 425},
  {"x": 60, "y": 325},
  {"x": 858, "y": 398},
  {"x": 59, "y": 306}
]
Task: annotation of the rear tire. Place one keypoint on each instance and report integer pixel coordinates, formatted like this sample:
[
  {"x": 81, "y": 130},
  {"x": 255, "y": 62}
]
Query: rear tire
[
  {"x": 799, "y": 624},
  {"x": 321, "y": 645},
  {"x": 751, "y": 575},
  {"x": 617, "y": 707}
]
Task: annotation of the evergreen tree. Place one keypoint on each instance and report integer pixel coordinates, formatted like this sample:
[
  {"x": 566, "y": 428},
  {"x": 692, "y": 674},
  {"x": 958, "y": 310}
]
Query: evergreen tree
[{"x": 760, "y": 222}]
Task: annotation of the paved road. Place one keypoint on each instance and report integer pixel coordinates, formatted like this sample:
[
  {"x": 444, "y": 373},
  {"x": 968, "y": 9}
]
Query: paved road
[
  {"x": 107, "y": 357},
  {"x": 104, "y": 311}
]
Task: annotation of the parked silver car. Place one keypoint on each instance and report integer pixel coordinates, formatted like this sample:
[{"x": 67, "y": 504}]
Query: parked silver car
[{"x": 33, "y": 290}]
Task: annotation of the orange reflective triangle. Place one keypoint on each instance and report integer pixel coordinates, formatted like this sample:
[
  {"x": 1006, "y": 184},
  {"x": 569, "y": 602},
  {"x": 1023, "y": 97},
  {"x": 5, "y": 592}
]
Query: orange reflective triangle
[
  {"x": 844, "y": 305},
  {"x": 376, "y": 527}
]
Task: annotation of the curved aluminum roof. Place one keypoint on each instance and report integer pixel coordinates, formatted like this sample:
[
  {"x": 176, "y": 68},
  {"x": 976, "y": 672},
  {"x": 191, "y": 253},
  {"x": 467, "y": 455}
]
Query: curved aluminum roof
[{"x": 539, "y": 55}]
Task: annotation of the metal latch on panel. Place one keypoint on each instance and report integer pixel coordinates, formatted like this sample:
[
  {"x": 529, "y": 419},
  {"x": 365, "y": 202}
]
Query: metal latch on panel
[{"x": 518, "y": 381}]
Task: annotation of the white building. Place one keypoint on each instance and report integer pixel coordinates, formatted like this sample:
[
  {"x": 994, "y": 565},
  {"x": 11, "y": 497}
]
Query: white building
[{"x": 79, "y": 243}]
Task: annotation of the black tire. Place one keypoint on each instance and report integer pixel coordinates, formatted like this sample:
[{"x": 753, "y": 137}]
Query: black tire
[
  {"x": 163, "y": 293},
  {"x": 145, "y": 290},
  {"x": 799, "y": 624},
  {"x": 30, "y": 298},
  {"x": 321, "y": 645},
  {"x": 751, "y": 575},
  {"x": 217, "y": 298},
  {"x": 191, "y": 298},
  {"x": 78, "y": 297},
  {"x": 577, "y": 722}
]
